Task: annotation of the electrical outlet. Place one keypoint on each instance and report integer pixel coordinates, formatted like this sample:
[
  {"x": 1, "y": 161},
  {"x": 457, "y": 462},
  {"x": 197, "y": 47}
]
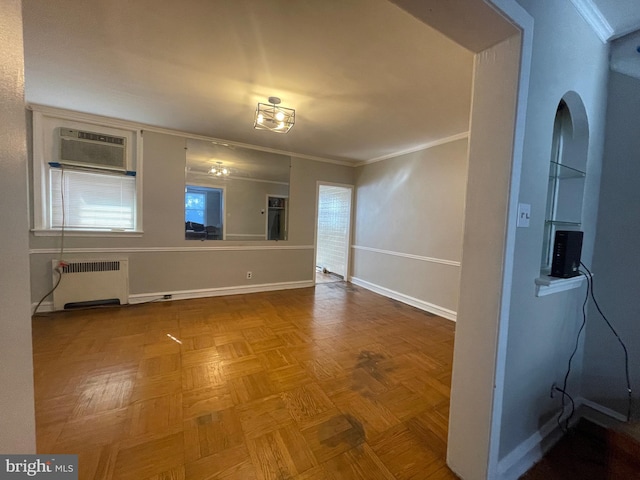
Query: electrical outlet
[{"x": 249, "y": 275}]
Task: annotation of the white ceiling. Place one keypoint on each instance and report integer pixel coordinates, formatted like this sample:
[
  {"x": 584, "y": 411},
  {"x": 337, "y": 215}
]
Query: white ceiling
[
  {"x": 367, "y": 79},
  {"x": 474, "y": 25}
]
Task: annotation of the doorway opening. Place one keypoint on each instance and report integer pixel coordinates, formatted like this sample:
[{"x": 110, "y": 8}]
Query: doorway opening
[
  {"x": 277, "y": 212},
  {"x": 333, "y": 232}
]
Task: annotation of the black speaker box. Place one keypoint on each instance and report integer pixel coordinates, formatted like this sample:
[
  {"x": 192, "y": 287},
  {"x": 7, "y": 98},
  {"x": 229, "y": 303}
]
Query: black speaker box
[{"x": 567, "y": 249}]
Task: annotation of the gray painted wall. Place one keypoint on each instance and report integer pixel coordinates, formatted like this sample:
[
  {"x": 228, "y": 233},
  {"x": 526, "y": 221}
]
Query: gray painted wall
[
  {"x": 413, "y": 205},
  {"x": 162, "y": 261},
  {"x": 567, "y": 56},
  {"x": 246, "y": 208},
  {"x": 17, "y": 418},
  {"x": 616, "y": 263}
]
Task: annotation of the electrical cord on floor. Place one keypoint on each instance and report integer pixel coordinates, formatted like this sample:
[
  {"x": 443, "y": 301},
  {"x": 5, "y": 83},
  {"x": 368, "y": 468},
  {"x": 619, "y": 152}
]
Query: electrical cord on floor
[
  {"x": 59, "y": 272},
  {"x": 563, "y": 390},
  {"x": 63, "y": 206},
  {"x": 565, "y": 426},
  {"x": 613, "y": 330},
  {"x": 61, "y": 263}
]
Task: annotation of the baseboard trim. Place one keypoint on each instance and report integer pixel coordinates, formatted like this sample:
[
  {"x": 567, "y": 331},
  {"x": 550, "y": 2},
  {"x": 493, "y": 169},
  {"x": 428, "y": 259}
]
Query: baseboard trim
[
  {"x": 604, "y": 410},
  {"x": 525, "y": 455},
  {"x": 44, "y": 307},
  {"x": 220, "y": 291},
  {"x": 401, "y": 297},
  {"x": 516, "y": 463},
  {"x": 138, "y": 298}
]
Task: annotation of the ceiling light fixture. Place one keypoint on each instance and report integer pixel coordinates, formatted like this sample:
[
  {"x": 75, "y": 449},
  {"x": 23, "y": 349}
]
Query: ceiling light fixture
[
  {"x": 269, "y": 116},
  {"x": 219, "y": 170}
]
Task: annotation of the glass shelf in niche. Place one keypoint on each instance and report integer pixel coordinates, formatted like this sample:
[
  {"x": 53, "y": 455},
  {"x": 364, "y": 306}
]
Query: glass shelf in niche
[
  {"x": 558, "y": 170},
  {"x": 562, "y": 223}
]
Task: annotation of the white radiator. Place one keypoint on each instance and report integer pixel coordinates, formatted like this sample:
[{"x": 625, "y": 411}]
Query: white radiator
[{"x": 95, "y": 281}]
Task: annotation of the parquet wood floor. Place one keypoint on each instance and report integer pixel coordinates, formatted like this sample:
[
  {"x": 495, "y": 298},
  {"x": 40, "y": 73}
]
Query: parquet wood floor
[{"x": 327, "y": 383}]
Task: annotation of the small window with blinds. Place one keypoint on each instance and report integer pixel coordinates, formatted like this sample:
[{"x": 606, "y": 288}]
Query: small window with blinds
[{"x": 84, "y": 200}]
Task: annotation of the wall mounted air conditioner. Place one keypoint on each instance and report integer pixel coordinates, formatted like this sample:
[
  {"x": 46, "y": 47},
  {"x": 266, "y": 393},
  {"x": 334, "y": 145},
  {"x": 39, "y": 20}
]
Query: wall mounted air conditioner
[{"x": 92, "y": 150}]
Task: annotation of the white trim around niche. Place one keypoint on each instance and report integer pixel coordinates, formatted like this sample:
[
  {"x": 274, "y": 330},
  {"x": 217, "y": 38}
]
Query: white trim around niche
[{"x": 546, "y": 285}]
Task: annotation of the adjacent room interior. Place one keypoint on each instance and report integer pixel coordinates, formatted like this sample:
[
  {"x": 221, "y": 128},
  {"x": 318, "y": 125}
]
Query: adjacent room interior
[{"x": 297, "y": 206}]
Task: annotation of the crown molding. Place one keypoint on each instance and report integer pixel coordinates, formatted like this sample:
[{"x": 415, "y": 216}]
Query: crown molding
[
  {"x": 593, "y": 16},
  {"x": 424, "y": 146},
  {"x": 126, "y": 124},
  {"x": 118, "y": 123}
]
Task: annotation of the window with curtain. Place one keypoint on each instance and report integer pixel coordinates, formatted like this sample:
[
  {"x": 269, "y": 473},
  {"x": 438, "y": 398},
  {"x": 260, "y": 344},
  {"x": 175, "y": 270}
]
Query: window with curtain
[{"x": 83, "y": 200}]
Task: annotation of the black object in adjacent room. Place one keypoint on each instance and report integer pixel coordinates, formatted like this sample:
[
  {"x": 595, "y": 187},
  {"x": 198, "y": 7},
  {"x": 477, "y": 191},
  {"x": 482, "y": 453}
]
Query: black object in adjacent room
[{"x": 566, "y": 254}]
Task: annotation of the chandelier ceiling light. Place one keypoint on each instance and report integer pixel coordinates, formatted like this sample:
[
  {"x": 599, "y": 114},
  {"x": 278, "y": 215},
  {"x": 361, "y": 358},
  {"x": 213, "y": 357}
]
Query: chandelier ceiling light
[
  {"x": 219, "y": 170},
  {"x": 270, "y": 116}
]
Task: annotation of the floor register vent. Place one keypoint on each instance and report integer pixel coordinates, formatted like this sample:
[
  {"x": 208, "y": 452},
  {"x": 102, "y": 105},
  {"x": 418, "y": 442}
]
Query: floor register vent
[{"x": 89, "y": 283}]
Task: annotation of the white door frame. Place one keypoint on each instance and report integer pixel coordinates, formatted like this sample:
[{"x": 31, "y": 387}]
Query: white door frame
[
  {"x": 286, "y": 214},
  {"x": 347, "y": 257}
]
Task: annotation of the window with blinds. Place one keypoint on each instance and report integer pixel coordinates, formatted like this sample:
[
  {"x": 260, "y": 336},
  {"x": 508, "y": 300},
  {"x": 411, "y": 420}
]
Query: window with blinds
[{"x": 92, "y": 200}]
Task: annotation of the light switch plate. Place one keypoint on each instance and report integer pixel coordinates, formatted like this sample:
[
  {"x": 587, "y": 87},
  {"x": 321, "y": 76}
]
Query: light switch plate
[{"x": 524, "y": 213}]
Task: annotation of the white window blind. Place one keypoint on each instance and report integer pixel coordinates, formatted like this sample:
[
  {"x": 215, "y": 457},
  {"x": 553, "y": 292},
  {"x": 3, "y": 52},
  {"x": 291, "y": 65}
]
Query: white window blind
[
  {"x": 334, "y": 214},
  {"x": 92, "y": 200}
]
